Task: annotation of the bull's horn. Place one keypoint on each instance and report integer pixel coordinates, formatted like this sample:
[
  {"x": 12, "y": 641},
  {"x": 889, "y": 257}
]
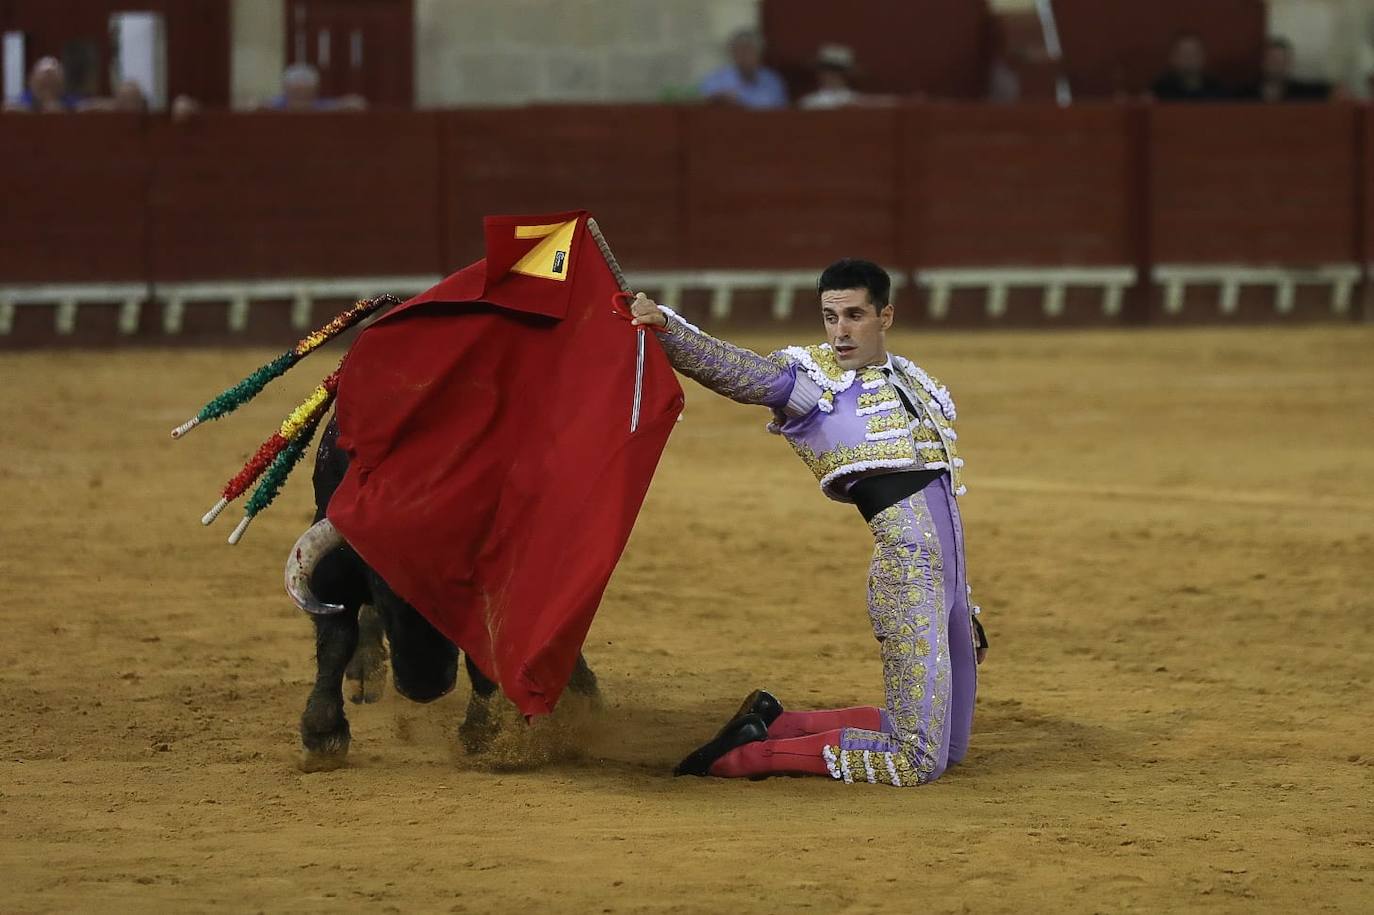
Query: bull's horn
[{"x": 318, "y": 540}]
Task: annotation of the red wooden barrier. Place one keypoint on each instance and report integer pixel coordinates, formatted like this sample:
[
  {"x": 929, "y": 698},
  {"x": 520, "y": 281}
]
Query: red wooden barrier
[
  {"x": 783, "y": 189},
  {"x": 106, "y": 198},
  {"x": 271, "y": 195},
  {"x": 1113, "y": 46},
  {"x": 1027, "y": 185},
  {"x": 622, "y": 163},
  {"x": 1252, "y": 184},
  {"x": 72, "y": 198},
  {"x": 938, "y": 48}
]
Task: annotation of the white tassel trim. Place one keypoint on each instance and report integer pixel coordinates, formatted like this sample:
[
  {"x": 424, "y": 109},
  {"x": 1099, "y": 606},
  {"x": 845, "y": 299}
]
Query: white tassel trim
[
  {"x": 961, "y": 490},
  {"x": 844, "y": 769},
  {"x": 879, "y": 407},
  {"x": 892, "y": 770},
  {"x": 828, "y": 753},
  {"x": 874, "y": 384},
  {"x": 685, "y": 323},
  {"x": 939, "y": 393},
  {"x": 816, "y": 374},
  {"x": 936, "y": 465},
  {"x": 868, "y": 768},
  {"x": 942, "y": 430},
  {"x": 886, "y": 434},
  {"x": 860, "y": 466}
]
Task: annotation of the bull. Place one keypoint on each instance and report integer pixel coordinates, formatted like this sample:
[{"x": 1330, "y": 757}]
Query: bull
[{"x": 354, "y": 610}]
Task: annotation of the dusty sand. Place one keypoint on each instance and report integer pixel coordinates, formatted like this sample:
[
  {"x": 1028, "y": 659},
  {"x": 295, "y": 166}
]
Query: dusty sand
[{"x": 1170, "y": 532}]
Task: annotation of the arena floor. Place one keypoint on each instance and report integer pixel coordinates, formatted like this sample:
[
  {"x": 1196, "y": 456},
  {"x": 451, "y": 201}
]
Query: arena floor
[{"x": 1166, "y": 531}]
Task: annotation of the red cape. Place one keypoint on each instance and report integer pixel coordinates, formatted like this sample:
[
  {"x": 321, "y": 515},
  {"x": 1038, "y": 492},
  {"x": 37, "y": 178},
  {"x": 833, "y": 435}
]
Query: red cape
[{"x": 494, "y": 479}]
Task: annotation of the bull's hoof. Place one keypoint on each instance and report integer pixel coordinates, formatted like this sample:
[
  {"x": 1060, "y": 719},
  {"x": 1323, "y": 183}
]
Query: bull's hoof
[
  {"x": 324, "y": 730},
  {"x": 367, "y": 682},
  {"x": 480, "y": 727},
  {"x": 366, "y": 673}
]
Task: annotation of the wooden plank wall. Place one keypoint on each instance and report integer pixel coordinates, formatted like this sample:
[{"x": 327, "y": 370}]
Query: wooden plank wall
[
  {"x": 1236, "y": 185},
  {"x": 1121, "y": 46},
  {"x": 115, "y": 198},
  {"x": 1032, "y": 185},
  {"x": 73, "y": 198},
  {"x": 937, "y": 49},
  {"x": 267, "y": 195}
]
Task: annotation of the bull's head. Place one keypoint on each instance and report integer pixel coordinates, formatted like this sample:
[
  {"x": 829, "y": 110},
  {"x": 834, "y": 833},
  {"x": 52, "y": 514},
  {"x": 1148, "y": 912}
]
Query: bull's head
[{"x": 312, "y": 546}]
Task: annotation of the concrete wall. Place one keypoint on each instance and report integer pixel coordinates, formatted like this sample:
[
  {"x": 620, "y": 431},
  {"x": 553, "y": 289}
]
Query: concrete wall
[
  {"x": 1333, "y": 39},
  {"x": 504, "y": 52},
  {"x": 257, "y": 52},
  {"x": 512, "y": 51}
]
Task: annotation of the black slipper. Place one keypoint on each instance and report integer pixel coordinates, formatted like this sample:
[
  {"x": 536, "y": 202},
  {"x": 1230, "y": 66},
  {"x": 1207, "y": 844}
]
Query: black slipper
[
  {"x": 735, "y": 734},
  {"x": 762, "y": 703}
]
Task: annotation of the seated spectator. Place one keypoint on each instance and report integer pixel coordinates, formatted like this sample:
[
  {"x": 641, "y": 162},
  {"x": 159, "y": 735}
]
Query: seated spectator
[
  {"x": 184, "y": 108},
  {"x": 745, "y": 81},
  {"x": 834, "y": 70},
  {"x": 47, "y": 89},
  {"x": 1187, "y": 80},
  {"x": 300, "y": 85},
  {"x": 1276, "y": 78},
  {"x": 128, "y": 97}
]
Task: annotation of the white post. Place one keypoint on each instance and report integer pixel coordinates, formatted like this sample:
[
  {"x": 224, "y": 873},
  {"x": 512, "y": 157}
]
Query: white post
[
  {"x": 782, "y": 301},
  {"x": 64, "y": 316},
  {"x": 128, "y": 314},
  {"x": 140, "y": 54},
  {"x": 938, "y": 306},
  {"x": 12, "y": 51},
  {"x": 1230, "y": 295},
  {"x": 1053, "y": 300},
  {"x": 720, "y": 302}
]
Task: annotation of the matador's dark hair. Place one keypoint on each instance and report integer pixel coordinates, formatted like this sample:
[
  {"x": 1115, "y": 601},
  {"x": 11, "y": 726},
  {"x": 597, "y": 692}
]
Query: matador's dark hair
[{"x": 853, "y": 273}]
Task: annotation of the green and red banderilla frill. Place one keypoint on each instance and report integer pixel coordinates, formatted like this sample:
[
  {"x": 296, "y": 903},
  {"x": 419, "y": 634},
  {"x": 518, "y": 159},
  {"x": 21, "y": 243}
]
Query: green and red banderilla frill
[
  {"x": 275, "y": 458},
  {"x": 230, "y": 400}
]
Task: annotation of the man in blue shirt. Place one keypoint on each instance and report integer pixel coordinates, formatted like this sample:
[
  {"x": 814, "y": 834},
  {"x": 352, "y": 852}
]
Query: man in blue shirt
[
  {"x": 300, "y": 85},
  {"x": 745, "y": 81},
  {"x": 47, "y": 89}
]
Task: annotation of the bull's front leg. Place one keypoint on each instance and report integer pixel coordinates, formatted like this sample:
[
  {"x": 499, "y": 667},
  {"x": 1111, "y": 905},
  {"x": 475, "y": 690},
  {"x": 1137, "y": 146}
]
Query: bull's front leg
[
  {"x": 324, "y": 727},
  {"x": 481, "y": 724},
  {"x": 583, "y": 681},
  {"x": 367, "y": 671}
]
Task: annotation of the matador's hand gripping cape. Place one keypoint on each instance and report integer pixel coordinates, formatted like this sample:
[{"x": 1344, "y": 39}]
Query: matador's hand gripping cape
[{"x": 494, "y": 477}]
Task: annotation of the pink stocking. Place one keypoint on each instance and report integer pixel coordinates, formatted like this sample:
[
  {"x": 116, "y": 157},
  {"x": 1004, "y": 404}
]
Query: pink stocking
[
  {"x": 800, "y": 724},
  {"x": 791, "y": 756}
]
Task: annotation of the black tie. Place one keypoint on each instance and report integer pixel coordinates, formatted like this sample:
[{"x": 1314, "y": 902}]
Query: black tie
[{"x": 906, "y": 402}]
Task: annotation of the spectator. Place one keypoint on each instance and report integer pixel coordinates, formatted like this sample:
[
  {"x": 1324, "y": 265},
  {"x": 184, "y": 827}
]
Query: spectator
[
  {"x": 834, "y": 70},
  {"x": 1187, "y": 80},
  {"x": 1276, "y": 78},
  {"x": 300, "y": 85},
  {"x": 745, "y": 81},
  {"x": 184, "y": 108},
  {"x": 47, "y": 89},
  {"x": 834, "y": 66},
  {"x": 128, "y": 97}
]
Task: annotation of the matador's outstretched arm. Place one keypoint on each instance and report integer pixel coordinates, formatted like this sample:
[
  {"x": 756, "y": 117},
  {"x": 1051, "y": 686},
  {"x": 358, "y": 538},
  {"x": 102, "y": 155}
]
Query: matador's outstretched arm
[{"x": 732, "y": 371}]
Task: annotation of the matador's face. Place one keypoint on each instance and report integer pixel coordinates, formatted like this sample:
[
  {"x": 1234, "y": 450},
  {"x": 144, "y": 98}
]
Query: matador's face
[{"x": 855, "y": 327}]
